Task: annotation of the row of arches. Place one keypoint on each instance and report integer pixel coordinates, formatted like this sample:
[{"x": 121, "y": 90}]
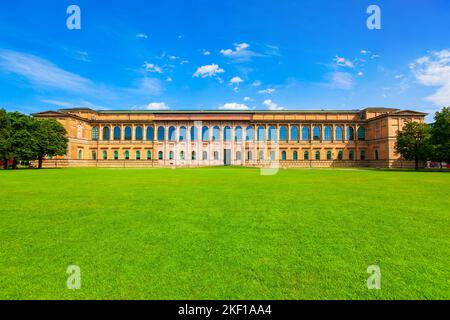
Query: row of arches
[
  {"x": 215, "y": 134},
  {"x": 238, "y": 155}
]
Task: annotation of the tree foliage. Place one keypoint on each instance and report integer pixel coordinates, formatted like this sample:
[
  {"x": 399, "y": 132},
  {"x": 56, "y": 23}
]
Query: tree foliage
[
  {"x": 440, "y": 132},
  {"x": 49, "y": 139},
  {"x": 414, "y": 142}
]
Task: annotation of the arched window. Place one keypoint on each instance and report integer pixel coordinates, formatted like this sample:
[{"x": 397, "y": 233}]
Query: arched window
[
  {"x": 117, "y": 133},
  {"x": 328, "y": 133},
  {"x": 138, "y": 155},
  {"x": 183, "y": 134},
  {"x": 283, "y": 155},
  {"x": 238, "y": 134},
  {"x": 194, "y": 133},
  {"x": 171, "y": 155},
  {"x": 94, "y": 155},
  {"x": 305, "y": 133},
  {"x": 283, "y": 133},
  {"x": 261, "y": 155},
  {"x": 351, "y": 155},
  {"x": 105, "y": 155},
  {"x": 216, "y": 134},
  {"x": 329, "y": 155},
  {"x": 161, "y": 133},
  {"x": 338, "y": 133},
  {"x": 227, "y": 133},
  {"x": 306, "y": 155},
  {"x": 376, "y": 154},
  {"x": 116, "y": 155},
  {"x": 139, "y": 133},
  {"x": 316, "y": 133},
  {"x": 361, "y": 134},
  {"x": 340, "y": 155},
  {"x": 317, "y": 155},
  {"x": 295, "y": 156},
  {"x": 205, "y": 155},
  {"x": 216, "y": 155},
  {"x": 272, "y": 133},
  {"x": 249, "y": 134},
  {"x": 205, "y": 134},
  {"x": 80, "y": 154},
  {"x": 106, "y": 133},
  {"x": 126, "y": 155},
  {"x": 272, "y": 155},
  {"x": 182, "y": 155},
  {"x": 350, "y": 134},
  {"x": 362, "y": 155},
  {"x": 193, "y": 155},
  {"x": 128, "y": 133},
  {"x": 150, "y": 133},
  {"x": 172, "y": 136},
  {"x": 238, "y": 156},
  {"x": 250, "y": 156},
  {"x": 160, "y": 155},
  {"x": 261, "y": 133},
  {"x": 149, "y": 155},
  {"x": 294, "y": 133},
  {"x": 94, "y": 134}
]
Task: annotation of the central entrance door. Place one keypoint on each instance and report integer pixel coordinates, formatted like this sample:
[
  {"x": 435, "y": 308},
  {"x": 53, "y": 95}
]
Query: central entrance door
[{"x": 227, "y": 157}]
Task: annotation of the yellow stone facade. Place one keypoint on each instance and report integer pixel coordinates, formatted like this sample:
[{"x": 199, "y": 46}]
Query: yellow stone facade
[{"x": 288, "y": 138}]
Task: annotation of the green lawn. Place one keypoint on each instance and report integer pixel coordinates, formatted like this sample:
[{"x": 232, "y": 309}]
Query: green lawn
[{"x": 224, "y": 233}]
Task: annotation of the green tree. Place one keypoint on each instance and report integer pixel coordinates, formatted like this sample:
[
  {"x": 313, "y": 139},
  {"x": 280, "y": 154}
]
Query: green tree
[
  {"x": 440, "y": 136},
  {"x": 414, "y": 142},
  {"x": 5, "y": 138},
  {"x": 49, "y": 138}
]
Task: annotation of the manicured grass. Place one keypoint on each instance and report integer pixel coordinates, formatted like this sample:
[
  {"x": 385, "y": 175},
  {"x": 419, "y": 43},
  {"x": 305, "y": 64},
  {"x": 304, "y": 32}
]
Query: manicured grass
[{"x": 224, "y": 233}]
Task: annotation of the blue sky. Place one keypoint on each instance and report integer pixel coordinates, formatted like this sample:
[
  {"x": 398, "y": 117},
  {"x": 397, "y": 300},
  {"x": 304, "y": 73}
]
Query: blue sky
[{"x": 234, "y": 54}]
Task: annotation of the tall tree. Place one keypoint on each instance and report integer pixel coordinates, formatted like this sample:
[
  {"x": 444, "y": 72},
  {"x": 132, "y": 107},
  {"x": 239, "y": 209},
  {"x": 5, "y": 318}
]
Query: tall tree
[
  {"x": 49, "y": 138},
  {"x": 414, "y": 142},
  {"x": 5, "y": 138},
  {"x": 440, "y": 135}
]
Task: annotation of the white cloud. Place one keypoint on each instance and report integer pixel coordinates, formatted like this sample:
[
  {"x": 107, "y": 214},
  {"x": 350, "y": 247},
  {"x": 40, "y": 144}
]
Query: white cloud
[
  {"x": 236, "y": 80},
  {"x": 206, "y": 52},
  {"x": 173, "y": 58},
  {"x": 42, "y": 73},
  {"x": 434, "y": 70},
  {"x": 266, "y": 91},
  {"x": 184, "y": 61},
  {"x": 272, "y": 105},
  {"x": 248, "y": 99},
  {"x": 147, "y": 86},
  {"x": 240, "y": 53},
  {"x": 375, "y": 56},
  {"x": 361, "y": 74},
  {"x": 67, "y": 104},
  {"x": 150, "y": 67},
  {"x": 142, "y": 36},
  {"x": 208, "y": 71},
  {"x": 365, "y": 52},
  {"x": 342, "y": 62},
  {"x": 82, "y": 56},
  {"x": 157, "y": 106},
  {"x": 340, "y": 80},
  {"x": 233, "y": 106},
  {"x": 256, "y": 83},
  {"x": 169, "y": 79}
]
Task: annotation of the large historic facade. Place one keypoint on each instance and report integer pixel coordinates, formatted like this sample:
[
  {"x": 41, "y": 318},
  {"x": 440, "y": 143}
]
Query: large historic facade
[{"x": 288, "y": 138}]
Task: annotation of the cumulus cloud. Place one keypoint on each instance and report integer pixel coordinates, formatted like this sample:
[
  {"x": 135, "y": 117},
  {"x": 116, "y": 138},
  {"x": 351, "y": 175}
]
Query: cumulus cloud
[
  {"x": 266, "y": 91},
  {"x": 236, "y": 80},
  {"x": 233, "y": 106},
  {"x": 142, "y": 36},
  {"x": 365, "y": 52},
  {"x": 150, "y": 67},
  {"x": 240, "y": 53},
  {"x": 208, "y": 71},
  {"x": 248, "y": 99},
  {"x": 434, "y": 70},
  {"x": 272, "y": 105},
  {"x": 256, "y": 83},
  {"x": 157, "y": 106},
  {"x": 206, "y": 52},
  {"x": 342, "y": 62}
]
